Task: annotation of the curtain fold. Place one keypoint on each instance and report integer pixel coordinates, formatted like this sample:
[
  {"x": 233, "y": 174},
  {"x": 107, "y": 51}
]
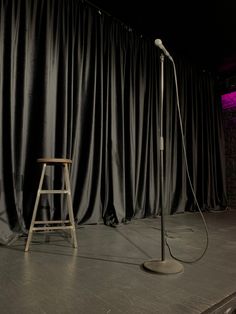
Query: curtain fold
[{"x": 76, "y": 83}]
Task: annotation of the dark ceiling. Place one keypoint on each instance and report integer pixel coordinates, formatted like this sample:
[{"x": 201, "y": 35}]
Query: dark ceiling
[{"x": 203, "y": 32}]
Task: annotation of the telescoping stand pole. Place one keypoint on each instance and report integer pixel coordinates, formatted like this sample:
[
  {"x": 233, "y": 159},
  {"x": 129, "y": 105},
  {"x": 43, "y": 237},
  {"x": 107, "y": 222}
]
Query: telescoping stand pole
[{"x": 163, "y": 266}]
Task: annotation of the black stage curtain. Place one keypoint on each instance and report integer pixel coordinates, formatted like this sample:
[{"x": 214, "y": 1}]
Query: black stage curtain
[{"x": 77, "y": 83}]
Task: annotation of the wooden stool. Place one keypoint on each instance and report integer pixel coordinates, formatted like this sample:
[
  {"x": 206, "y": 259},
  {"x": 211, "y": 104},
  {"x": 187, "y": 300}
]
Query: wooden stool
[{"x": 49, "y": 225}]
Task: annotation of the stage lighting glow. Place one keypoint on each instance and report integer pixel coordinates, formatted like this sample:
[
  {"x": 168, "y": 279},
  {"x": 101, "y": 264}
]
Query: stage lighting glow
[{"x": 228, "y": 100}]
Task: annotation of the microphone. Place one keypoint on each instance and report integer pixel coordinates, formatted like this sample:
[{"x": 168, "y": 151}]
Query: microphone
[{"x": 158, "y": 43}]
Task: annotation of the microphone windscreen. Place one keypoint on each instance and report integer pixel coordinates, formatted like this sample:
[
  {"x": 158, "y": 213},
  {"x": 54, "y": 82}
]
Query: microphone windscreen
[{"x": 158, "y": 42}]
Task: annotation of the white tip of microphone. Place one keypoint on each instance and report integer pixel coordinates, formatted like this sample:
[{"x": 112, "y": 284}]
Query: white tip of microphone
[{"x": 158, "y": 42}]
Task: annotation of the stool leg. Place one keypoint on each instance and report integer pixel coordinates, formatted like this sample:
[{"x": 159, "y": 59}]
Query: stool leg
[
  {"x": 70, "y": 207},
  {"x": 35, "y": 208}
]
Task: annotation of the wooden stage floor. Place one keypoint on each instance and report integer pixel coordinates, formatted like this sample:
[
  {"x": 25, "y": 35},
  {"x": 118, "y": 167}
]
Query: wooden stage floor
[{"x": 105, "y": 274}]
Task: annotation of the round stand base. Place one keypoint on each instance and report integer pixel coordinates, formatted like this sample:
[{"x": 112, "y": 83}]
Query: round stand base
[{"x": 163, "y": 267}]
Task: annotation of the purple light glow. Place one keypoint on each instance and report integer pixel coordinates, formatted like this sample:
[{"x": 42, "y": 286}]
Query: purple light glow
[{"x": 228, "y": 100}]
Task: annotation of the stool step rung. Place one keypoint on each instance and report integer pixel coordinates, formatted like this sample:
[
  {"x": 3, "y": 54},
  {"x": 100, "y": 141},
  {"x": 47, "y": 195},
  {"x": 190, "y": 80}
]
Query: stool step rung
[
  {"x": 51, "y": 221},
  {"x": 53, "y": 191},
  {"x": 51, "y": 228}
]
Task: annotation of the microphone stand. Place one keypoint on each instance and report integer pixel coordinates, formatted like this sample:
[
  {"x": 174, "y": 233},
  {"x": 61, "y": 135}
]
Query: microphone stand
[{"x": 163, "y": 266}]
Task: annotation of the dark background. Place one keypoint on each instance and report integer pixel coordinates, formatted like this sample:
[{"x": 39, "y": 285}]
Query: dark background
[{"x": 201, "y": 31}]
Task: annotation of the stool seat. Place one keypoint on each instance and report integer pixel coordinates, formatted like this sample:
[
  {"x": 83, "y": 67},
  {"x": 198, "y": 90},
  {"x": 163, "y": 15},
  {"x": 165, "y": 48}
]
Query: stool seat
[
  {"x": 50, "y": 224},
  {"x": 54, "y": 160}
]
